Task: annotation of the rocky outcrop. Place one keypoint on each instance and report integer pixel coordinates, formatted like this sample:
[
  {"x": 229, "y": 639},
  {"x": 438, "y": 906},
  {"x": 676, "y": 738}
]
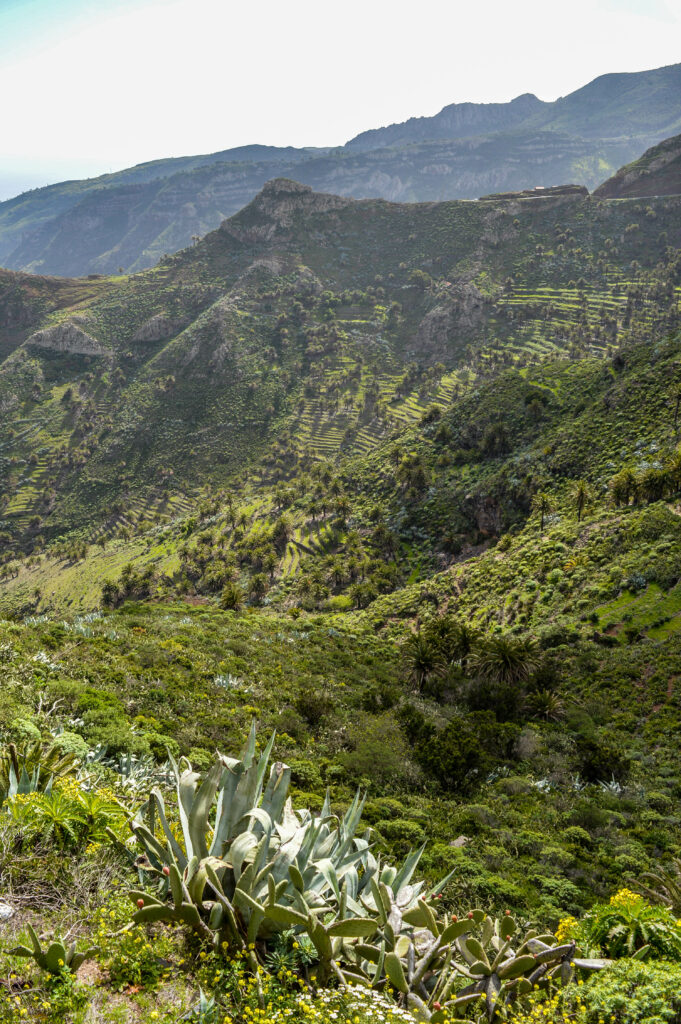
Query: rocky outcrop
[
  {"x": 485, "y": 511},
  {"x": 445, "y": 326},
  {"x": 274, "y": 209},
  {"x": 158, "y": 328},
  {"x": 69, "y": 338}
]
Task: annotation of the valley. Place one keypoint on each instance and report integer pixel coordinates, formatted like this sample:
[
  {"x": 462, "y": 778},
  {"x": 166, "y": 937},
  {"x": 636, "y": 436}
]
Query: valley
[{"x": 389, "y": 492}]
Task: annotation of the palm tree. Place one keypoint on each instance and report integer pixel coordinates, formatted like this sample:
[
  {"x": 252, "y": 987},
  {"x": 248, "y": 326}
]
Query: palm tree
[
  {"x": 501, "y": 659},
  {"x": 454, "y": 640},
  {"x": 545, "y": 704},
  {"x": 258, "y": 587},
  {"x": 674, "y": 470},
  {"x": 623, "y": 487},
  {"x": 542, "y": 504},
  {"x": 422, "y": 658},
  {"x": 653, "y": 484},
  {"x": 581, "y": 495},
  {"x": 231, "y": 598}
]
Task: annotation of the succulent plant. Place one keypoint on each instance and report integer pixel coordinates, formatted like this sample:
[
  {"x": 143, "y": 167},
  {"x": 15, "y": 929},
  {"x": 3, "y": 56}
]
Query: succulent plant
[
  {"x": 32, "y": 768},
  {"x": 248, "y": 867},
  {"x": 56, "y": 957}
]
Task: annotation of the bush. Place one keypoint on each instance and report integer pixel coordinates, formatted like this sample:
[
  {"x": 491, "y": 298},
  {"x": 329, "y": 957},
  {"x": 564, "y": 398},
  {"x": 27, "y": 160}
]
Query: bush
[
  {"x": 71, "y": 743},
  {"x": 626, "y": 924},
  {"x": 630, "y": 992}
]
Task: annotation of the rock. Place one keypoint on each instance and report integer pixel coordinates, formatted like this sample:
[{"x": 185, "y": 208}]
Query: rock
[
  {"x": 6, "y": 911},
  {"x": 271, "y": 214},
  {"x": 68, "y": 337},
  {"x": 460, "y": 841},
  {"x": 158, "y": 328}
]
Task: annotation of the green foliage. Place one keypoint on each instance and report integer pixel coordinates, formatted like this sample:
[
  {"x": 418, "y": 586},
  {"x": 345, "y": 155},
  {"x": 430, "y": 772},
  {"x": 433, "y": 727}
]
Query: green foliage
[
  {"x": 628, "y": 926},
  {"x": 33, "y": 768},
  {"x": 629, "y": 992}
]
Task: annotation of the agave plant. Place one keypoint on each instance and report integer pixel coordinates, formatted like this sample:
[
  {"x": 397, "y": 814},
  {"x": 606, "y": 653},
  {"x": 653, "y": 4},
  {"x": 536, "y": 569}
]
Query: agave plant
[
  {"x": 33, "y": 768},
  {"x": 56, "y": 957},
  {"x": 248, "y": 868}
]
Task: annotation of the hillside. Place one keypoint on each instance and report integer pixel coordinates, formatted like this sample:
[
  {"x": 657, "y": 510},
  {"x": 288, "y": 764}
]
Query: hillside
[
  {"x": 313, "y": 317},
  {"x": 401, "y": 482},
  {"x": 131, "y": 219},
  {"x": 656, "y": 173}
]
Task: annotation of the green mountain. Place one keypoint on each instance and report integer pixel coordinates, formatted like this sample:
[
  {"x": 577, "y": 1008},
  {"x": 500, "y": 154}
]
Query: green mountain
[
  {"x": 129, "y": 220},
  {"x": 656, "y": 173},
  {"x": 401, "y": 482},
  {"x": 305, "y": 315}
]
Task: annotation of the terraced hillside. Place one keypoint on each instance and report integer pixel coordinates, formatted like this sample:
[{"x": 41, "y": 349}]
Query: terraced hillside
[
  {"x": 308, "y": 327},
  {"x": 402, "y": 483}
]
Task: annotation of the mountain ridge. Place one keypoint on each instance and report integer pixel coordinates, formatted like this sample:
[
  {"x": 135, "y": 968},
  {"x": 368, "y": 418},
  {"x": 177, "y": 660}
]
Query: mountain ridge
[{"x": 132, "y": 218}]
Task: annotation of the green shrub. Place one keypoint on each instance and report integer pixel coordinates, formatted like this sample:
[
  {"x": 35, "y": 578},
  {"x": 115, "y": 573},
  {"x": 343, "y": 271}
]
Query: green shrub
[
  {"x": 71, "y": 743},
  {"x": 630, "y": 992}
]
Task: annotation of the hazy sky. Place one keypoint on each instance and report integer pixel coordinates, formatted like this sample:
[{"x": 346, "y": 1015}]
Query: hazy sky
[{"x": 96, "y": 85}]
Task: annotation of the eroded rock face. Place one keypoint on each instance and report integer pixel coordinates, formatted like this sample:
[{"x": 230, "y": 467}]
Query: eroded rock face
[
  {"x": 68, "y": 337},
  {"x": 159, "y": 328},
  {"x": 447, "y": 324},
  {"x": 486, "y": 513}
]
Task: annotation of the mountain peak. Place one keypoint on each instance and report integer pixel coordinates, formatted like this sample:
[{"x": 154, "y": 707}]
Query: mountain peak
[
  {"x": 271, "y": 213},
  {"x": 282, "y": 187}
]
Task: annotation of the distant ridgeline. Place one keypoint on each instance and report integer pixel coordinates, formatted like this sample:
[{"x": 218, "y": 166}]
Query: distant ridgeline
[{"x": 131, "y": 219}]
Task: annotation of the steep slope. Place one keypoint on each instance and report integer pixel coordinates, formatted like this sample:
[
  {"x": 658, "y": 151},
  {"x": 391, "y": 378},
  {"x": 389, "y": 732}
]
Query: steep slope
[
  {"x": 131, "y": 219},
  {"x": 306, "y": 327},
  {"x": 656, "y": 173}
]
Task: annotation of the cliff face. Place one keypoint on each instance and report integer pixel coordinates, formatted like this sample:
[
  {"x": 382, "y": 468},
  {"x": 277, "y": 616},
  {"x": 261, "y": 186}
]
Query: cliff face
[{"x": 68, "y": 338}]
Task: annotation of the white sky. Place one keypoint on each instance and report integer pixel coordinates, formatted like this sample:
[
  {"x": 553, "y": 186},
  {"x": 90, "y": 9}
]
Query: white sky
[{"x": 97, "y": 85}]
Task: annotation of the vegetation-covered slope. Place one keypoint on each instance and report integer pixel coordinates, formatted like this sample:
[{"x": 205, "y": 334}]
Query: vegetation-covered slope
[
  {"x": 402, "y": 483},
  {"x": 656, "y": 173},
  {"x": 309, "y": 323}
]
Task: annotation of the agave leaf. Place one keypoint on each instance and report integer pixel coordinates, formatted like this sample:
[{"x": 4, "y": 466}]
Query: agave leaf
[
  {"x": 198, "y": 808},
  {"x": 181, "y": 856},
  {"x": 224, "y": 814},
  {"x": 328, "y": 873},
  {"x": 276, "y": 791},
  {"x": 404, "y": 874},
  {"x": 262, "y": 766},
  {"x": 239, "y": 851},
  {"x": 261, "y": 816}
]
